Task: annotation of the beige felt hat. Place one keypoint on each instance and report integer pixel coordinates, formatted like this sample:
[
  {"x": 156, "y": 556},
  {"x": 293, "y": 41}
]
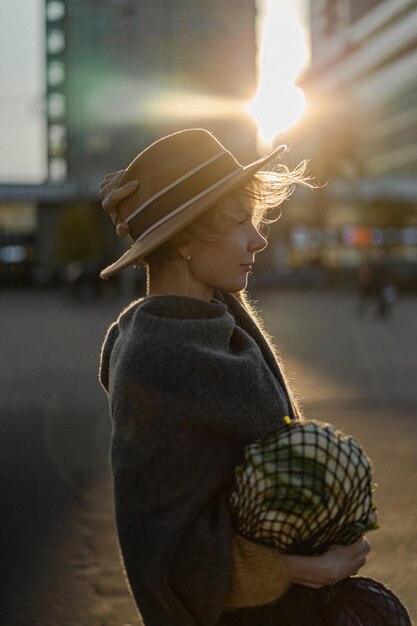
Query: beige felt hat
[{"x": 180, "y": 176}]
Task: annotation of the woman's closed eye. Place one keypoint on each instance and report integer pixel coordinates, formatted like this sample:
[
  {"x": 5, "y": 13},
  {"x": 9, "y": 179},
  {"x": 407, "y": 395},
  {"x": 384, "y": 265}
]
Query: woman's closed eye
[{"x": 244, "y": 220}]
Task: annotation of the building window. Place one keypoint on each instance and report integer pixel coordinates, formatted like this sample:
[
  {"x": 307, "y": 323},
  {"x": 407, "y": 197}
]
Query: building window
[
  {"x": 56, "y": 41},
  {"x": 57, "y": 137},
  {"x": 55, "y": 11},
  {"x": 56, "y": 73},
  {"x": 56, "y": 106},
  {"x": 57, "y": 169}
]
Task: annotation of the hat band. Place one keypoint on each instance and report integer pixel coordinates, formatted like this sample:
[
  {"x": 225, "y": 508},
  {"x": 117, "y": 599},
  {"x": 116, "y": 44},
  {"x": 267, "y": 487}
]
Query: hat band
[
  {"x": 176, "y": 182},
  {"x": 186, "y": 204},
  {"x": 183, "y": 194}
]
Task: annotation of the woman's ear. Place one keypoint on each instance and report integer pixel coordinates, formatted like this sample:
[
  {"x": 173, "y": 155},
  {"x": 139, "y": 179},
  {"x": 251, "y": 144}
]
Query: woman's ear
[{"x": 184, "y": 251}]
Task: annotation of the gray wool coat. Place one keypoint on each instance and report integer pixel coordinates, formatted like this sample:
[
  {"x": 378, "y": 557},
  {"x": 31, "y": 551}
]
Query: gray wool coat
[{"x": 190, "y": 383}]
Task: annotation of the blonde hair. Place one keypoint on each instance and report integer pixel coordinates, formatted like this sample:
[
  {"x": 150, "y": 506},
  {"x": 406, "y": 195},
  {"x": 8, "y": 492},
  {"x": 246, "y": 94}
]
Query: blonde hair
[
  {"x": 259, "y": 197},
  {"x": 250, "y": 306}
]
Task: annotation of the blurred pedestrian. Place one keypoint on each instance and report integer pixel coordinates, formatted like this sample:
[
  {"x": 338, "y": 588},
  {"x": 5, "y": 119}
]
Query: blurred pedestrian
[
  {"x": 366, "y": 283},
  {"x": 387, "y": 293},
  {"x": 375, "y": 288},
  {"x": 192, "y": 378}
]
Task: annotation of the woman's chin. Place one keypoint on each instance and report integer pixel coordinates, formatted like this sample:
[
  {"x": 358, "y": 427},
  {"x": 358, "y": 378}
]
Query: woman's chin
[{"x": 235, "y": 286}]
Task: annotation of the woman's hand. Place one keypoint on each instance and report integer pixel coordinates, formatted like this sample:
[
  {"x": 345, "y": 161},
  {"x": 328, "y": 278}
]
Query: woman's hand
[
  {"x": 112, "y": 194},
  {"x": 336, "y": 563}
]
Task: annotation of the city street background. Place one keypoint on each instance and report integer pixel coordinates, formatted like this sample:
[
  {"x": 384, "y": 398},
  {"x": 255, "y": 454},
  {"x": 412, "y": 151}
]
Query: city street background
[
  {"x": 85, "y": 86},
  {"x": 60, "y": 565}
]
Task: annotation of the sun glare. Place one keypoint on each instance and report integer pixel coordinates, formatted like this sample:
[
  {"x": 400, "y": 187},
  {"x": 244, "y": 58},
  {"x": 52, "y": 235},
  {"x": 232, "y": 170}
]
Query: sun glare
[{"x": 278, "y": 103}]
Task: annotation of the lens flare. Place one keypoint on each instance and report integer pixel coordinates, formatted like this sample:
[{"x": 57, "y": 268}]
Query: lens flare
[{"x": 139, "y": 102}]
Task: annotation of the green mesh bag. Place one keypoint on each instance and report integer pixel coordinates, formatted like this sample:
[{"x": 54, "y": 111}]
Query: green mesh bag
[{"x": 303, "y": 488}]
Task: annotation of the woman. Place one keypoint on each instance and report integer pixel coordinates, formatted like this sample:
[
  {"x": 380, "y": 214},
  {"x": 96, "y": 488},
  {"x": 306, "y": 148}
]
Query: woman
[{"x": 192, "y": 379}]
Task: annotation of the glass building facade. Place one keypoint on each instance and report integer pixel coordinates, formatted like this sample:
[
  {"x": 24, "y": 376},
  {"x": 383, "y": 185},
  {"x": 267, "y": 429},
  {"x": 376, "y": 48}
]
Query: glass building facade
[
  {"x": 360, "y": 134},
  {"x": 121, "y": 73}
]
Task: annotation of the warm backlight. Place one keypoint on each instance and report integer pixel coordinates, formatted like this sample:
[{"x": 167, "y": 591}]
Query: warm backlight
[{"x": 278, "y": 103}]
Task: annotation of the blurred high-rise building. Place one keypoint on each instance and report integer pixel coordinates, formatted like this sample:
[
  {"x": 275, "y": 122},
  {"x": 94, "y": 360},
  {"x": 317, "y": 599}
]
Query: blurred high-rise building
[
  {"x": 121, "y": 73},
  {"x": 364, "y": 59},
  {"x": 360, "y": 134}
]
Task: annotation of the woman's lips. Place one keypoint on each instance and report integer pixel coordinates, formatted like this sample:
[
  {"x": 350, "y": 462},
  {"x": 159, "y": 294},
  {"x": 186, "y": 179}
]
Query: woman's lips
[{"x": 248, "y": 267}]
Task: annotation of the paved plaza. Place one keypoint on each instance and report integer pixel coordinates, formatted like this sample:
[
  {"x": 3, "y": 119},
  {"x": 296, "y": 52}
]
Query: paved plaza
[{"x": 61, "y": 565}]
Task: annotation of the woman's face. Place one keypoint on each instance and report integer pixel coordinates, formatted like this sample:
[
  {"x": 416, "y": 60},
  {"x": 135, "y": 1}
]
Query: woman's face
[{"x": 226, "y": 263}]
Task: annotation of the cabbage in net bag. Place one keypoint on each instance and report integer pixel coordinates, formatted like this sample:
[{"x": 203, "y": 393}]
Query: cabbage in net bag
[{"x": 303, "y": 488}]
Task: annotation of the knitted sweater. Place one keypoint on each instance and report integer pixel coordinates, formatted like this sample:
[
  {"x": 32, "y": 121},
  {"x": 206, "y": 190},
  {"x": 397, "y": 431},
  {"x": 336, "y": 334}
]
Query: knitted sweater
[{"x": 190, "y": 383}]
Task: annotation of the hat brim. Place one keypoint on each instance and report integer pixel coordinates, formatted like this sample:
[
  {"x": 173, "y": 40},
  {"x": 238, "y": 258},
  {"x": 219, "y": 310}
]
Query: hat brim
[{"x": 142, "y": 247}]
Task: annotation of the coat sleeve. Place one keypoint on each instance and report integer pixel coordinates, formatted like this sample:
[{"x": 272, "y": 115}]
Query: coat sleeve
[
  {"x": 258, "y": 575},
  {"x": 172, "y": 470}
]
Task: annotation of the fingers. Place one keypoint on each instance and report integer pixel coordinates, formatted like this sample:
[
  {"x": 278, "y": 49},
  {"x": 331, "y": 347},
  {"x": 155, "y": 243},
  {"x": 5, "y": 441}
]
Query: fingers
[
  {"x": 113, "y": 174},
  {"x": 110, "y": 181},
  {"x": 366, "y": 548},
  {"x": 363, "y": 547},
  {"x": 113, "y": 197},
  {"x": 347, "y": 560}
]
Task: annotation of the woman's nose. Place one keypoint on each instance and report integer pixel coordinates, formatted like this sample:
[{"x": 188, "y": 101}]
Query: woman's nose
[{"x": 257, "y": 242}]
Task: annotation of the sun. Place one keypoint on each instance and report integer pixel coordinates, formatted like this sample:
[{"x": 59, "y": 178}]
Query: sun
[
  {"x": 276, "y": 109},
  {"x": 278, "y": 103}
]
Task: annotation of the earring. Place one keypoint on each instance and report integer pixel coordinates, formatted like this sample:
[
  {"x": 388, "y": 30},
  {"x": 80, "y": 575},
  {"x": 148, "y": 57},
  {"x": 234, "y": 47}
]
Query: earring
[{"x": 186, "y": 261}]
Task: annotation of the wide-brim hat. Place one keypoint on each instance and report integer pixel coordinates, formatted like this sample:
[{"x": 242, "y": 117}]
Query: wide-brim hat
[{"x": 179, "y": 177}]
